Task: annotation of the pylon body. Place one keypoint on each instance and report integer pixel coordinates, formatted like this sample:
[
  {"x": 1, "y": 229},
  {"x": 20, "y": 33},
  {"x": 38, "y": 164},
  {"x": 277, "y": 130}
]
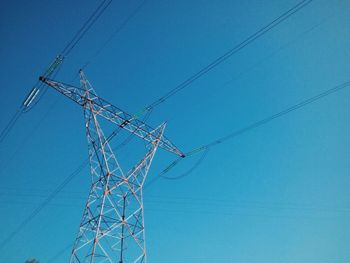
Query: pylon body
[{"x": 112, "y": 226}]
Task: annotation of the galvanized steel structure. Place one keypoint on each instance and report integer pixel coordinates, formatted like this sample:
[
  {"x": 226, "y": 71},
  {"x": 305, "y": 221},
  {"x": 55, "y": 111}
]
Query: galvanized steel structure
[{"x": 112, "y": 227}]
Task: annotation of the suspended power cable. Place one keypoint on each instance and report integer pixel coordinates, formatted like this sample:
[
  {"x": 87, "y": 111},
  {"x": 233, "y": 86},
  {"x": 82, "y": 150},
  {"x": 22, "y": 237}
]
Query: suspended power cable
[
  {"x": 66, "y": 200},
  {"x": 97, "y": 13},
  {"x": 265, "y": 29},
  {"x": 218, "y": 141},
  {"x": 47, "y": 200},
  {"x": 186, "y": 83},
  {"x": 101, "y": 9},
  {"x": 104, "y": 4},
  {"x": 250, "y": 127},
  {"x": 203, "y": 152},
  {"x": 27, "y": 137},
  {"x": 60, "y": 253},
  {"x": 204, "y": 149},
  {"x": 10, "y": 125},
  {"x": 26, "y": 103},
  {"x": 194, "y": 167},
  {"x": 279, "y": 114},
  {"x": 34, "y": 97},
  {"x": 113, "y": 35},
  {"x": 56, "y": 191},
  {"x": 52, "y": 70}
]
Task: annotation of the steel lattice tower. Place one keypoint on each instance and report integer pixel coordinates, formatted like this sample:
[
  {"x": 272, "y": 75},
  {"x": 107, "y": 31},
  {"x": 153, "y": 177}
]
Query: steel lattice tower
[{"x": 112, "y": 227}]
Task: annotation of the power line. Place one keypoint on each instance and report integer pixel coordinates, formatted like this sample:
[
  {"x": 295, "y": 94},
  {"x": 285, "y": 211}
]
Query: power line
[
  {"x": 222, "y": 139},
  {"x": 213, "y": 64},
  {"x": 279, "y": 114},
  {"x": 28, "y": 137},
  {"x": 58, "y": 189},
  {"x": 102, "y": 7},
  {"x": 187, "y": 82},
  {"x": 219, "y": 60},
  {"x": 60, "y": 253},
  {"x": 52, "y": 69},
  {"x": 97, "y": 13},
  {"x": 203, "y": 201},
  {"x": 10, "y": 125},
  {"x": 36, "y": 211},
  {"x": 265, "y": 29},
  {"x": 248, "y": 128},
  {"x": 65, "y": 52},
  {"x": 197, "y": 202},
  {"x": 116, "y": 31},
  {"x": 205, "y": 148}
]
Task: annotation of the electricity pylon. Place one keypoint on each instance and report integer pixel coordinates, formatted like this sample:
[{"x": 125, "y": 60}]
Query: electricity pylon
[{"x": 112, "y": 227}]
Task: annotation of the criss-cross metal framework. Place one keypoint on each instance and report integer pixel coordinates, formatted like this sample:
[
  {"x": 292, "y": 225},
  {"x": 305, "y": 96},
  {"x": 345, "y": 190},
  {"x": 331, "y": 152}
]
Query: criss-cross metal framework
[{"x": 112, "y": 227}]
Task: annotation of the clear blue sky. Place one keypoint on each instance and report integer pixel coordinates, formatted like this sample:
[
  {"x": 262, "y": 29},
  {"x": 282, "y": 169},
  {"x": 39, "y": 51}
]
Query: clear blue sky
[{"x": 279, "y": 193}]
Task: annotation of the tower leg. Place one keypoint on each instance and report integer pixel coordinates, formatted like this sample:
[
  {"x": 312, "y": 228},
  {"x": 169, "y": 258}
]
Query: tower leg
[{"x": 112, "y": 226}]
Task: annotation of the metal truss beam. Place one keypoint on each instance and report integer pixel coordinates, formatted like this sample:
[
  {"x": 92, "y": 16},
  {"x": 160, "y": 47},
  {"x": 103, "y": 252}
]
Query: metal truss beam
[{"x": 111, "y": 113}]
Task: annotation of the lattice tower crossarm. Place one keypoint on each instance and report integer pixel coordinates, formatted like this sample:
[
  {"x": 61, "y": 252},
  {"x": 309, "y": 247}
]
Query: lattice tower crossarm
[
  {"x": 112, "y": 226},
  {"x": 111, "y": 113}
]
